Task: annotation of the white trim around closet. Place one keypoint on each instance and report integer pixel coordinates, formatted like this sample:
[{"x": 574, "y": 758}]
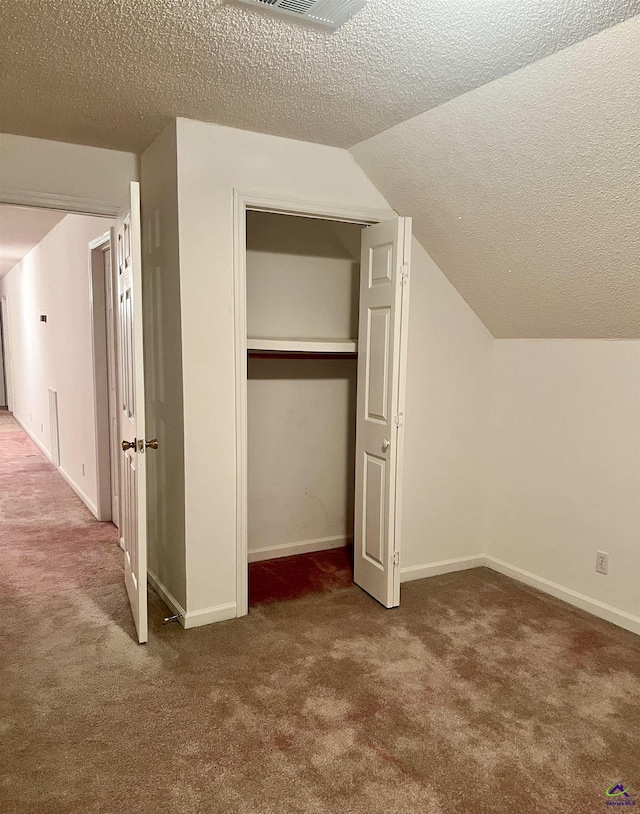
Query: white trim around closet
[{"x": 243, "y": 201}]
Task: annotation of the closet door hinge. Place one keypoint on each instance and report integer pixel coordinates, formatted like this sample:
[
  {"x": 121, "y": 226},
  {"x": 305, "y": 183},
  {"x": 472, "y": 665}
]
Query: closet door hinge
[
  {"x": 404, "y": 271},
  {"x": 396, "y": 559},
  {"x": 399, "y": 419}
]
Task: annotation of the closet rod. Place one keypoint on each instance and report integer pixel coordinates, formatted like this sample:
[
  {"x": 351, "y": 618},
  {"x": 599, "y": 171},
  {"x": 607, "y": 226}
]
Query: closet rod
[{"x": 278, "y": 354}]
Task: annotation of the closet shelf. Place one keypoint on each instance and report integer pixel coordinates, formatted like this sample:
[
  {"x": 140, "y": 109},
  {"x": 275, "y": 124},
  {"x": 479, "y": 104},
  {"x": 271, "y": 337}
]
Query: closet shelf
[{"x": 302, "y": 345}]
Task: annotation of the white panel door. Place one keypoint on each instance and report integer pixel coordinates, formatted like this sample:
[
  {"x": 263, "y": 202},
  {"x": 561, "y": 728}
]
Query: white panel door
[
  {"x": 133, "y": 504},
  {"x": 382, "y": 334},
  {"x": 110, "y": 275}
]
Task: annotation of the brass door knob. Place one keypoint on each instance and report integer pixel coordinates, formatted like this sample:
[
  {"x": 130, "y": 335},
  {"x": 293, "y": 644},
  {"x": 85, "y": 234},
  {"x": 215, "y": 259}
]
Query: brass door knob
[
  {"x": 153, "y": 444},
  {"x": 129, "y": 445}
]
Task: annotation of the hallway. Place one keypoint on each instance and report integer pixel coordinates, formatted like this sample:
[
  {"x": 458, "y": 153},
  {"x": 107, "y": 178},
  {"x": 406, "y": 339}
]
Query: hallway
[{"x": 50, "y": 541}]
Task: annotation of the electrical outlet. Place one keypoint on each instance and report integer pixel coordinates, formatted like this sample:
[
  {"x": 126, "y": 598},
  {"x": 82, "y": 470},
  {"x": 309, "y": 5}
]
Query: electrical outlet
[{"x": 602, "y": 562}]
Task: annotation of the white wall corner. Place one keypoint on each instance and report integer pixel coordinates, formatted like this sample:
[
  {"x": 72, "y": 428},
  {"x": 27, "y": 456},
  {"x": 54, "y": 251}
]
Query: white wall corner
[
  {"x": 578, "y": 600},
  {"x": 435, "y": 569},
  {"x": 206, "y": 616}
]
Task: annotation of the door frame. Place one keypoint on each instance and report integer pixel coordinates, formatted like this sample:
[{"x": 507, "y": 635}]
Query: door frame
[
  {"x": 5, "y": 341},
  {"x": 67, "y": 203},
  {"x": 101, "y": 352},
  {"x": 256, "y": 201}
]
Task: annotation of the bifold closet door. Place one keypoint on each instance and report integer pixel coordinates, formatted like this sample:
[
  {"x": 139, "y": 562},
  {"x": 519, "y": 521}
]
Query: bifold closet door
[{"x": 382, "y": 335}]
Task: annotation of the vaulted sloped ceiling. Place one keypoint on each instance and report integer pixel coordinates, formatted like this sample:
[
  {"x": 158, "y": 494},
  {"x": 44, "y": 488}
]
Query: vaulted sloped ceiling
[
  {"x": 508, "y": 130},
  {"x": 112, "y": 73},
  {"x": 526, "y": 191}
]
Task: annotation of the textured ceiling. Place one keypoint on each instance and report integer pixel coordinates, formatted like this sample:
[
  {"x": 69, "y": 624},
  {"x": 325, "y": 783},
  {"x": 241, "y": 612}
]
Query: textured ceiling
[
  {"x": 21, "y": 230},
  {"x": 526, "y": 192},
  {"x": 112, "y": 73}
]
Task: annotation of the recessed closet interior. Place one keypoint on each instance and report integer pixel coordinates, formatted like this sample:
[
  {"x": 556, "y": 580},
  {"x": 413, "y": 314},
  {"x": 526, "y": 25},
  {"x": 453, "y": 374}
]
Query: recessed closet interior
[{"x": 302, "y": 300}]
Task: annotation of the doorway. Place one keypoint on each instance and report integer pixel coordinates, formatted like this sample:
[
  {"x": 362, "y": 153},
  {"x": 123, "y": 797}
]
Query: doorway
[
  {"x": 302, "y": 279},
  {"x": 61, "y": 345},
  {"x": 306, "y": 383},
  {"x": 105, "y": 380},
  {"x": 53, "y": 345}
]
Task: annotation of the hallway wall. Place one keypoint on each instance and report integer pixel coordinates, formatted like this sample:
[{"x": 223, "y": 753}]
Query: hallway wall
[
  {"x": 53, "y": 280},
  {"x": 53, "y": 171}
]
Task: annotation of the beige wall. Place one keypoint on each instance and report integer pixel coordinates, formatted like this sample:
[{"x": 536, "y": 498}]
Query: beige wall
[
  {"x": 301, "y": 448},
  {"x": 163, "y": 365},
  {"x": 301, "y": 280},
  {"x": 565, "y": 465},
  {"x": 448, "y": 391},
  {"x": 44, "y": 169},
  {"x": 212, "y": 162},
  {"x": 53, "y": 279}
]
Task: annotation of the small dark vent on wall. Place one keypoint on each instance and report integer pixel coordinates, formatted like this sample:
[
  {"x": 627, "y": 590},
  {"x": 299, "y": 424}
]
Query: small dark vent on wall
[{"x": 331, "y": 13}]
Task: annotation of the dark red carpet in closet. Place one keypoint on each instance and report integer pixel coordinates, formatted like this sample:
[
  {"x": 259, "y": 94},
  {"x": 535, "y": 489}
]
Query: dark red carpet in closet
[{"x": 292, "y": 577}]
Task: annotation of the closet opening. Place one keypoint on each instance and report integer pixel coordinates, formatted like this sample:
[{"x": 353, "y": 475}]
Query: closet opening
[
  {"x": 302, "y": 308},
  {"x": 321, "y": 306}
]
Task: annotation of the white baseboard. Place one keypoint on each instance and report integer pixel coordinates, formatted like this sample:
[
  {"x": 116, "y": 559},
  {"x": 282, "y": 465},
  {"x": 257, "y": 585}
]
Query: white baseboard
[
  {"x": 434, "y": 569},
  {"x": 167, "y": 597},
  {"x": 82, "y": 495},
  {"x": 34, "y": 438},
  {"x": 196, "y": 618},
  {"x": 206, "y": 616},
  {"x": 600, "y": 609},
  {"x": 303, "y": 547},
  {"x": 593, "y": 606}
]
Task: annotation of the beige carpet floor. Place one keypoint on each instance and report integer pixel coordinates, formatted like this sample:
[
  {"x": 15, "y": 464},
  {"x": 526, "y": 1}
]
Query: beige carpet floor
[{"x": 476, "y": 695}]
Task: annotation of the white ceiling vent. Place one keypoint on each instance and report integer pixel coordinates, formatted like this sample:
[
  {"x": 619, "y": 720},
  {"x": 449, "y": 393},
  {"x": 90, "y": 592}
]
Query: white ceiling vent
[{"x": 332, "y": 13}]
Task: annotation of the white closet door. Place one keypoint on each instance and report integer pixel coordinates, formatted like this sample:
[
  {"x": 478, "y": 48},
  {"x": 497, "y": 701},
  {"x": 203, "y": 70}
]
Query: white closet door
[
  {"x": 384, "y": 301},
  {"x": 133, "y": 500}
]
